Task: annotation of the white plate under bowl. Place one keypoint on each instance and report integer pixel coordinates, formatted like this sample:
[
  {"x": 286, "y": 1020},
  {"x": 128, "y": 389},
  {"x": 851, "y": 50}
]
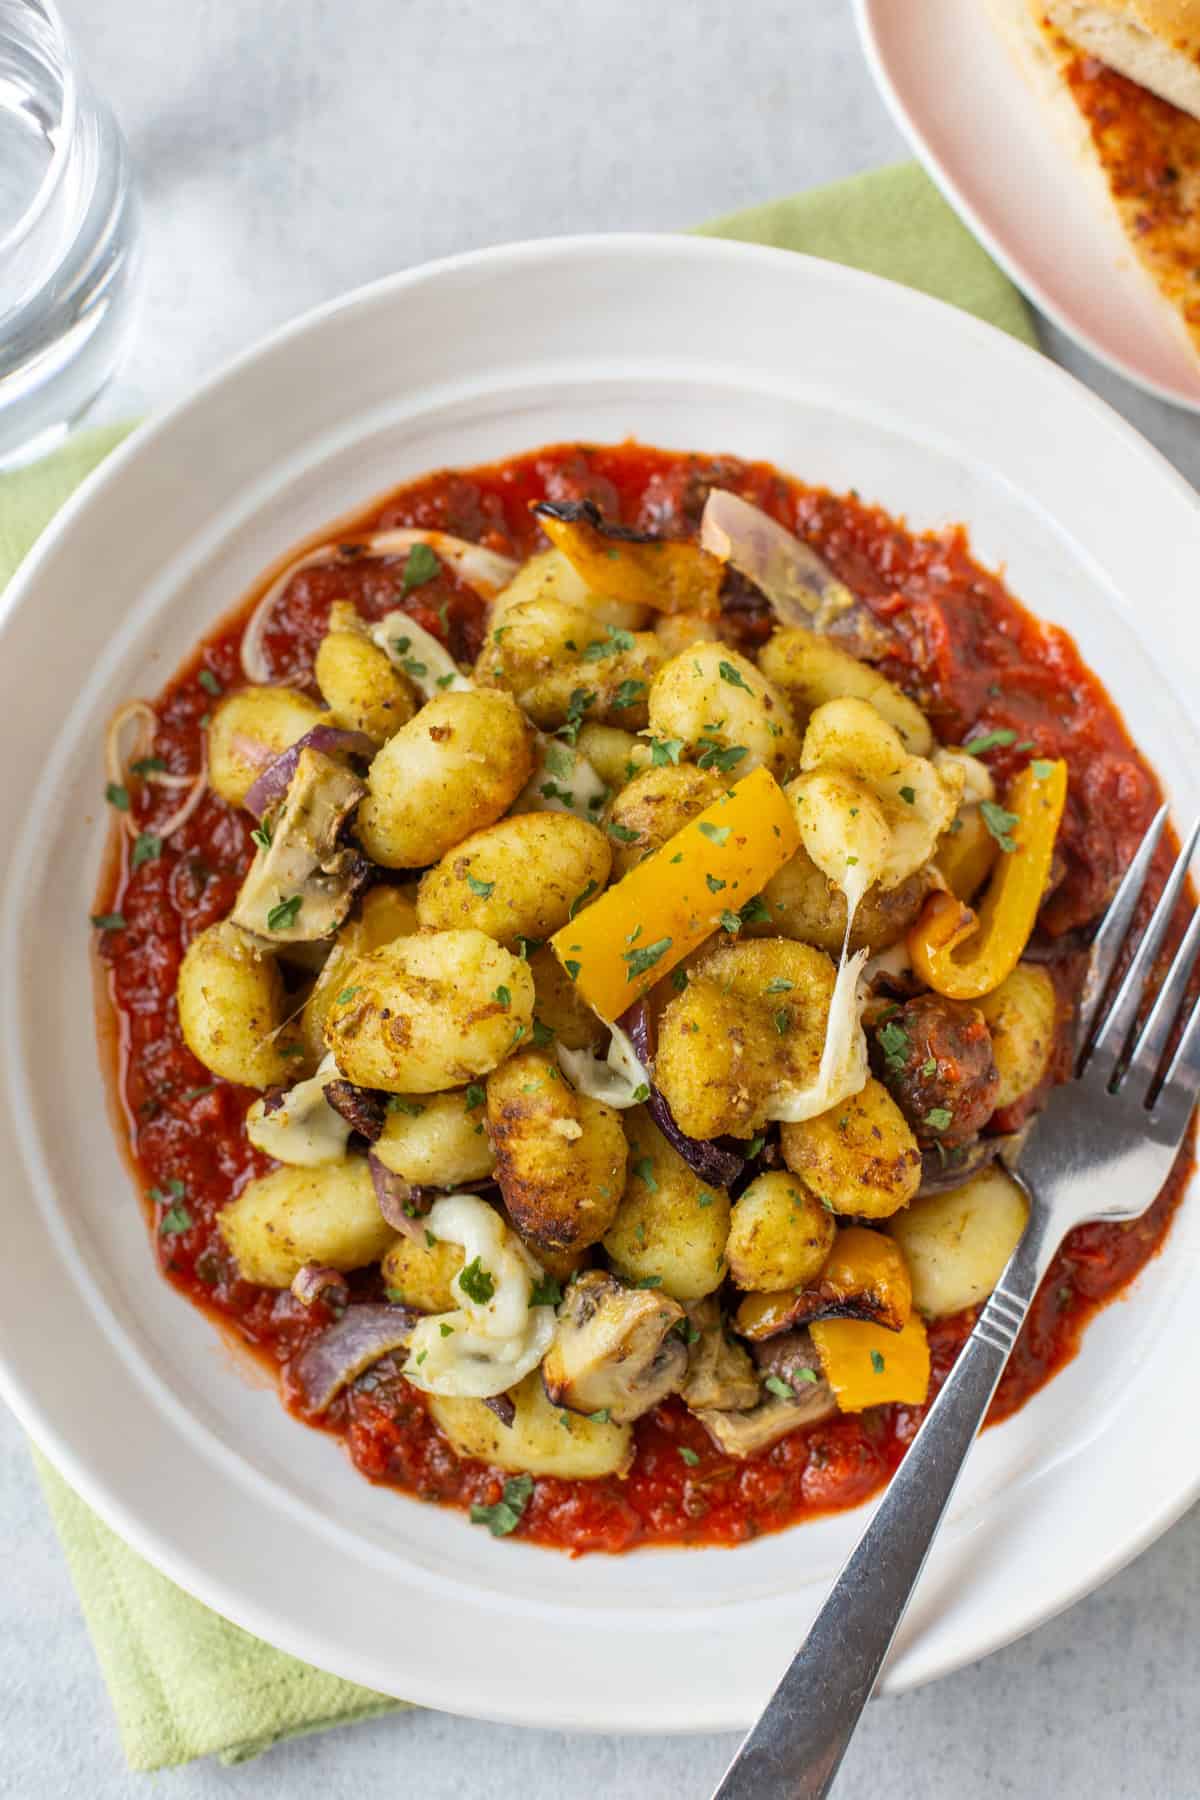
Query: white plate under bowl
[
  {"x": 988, "y": 140},
  {"x": 841, "y": 378}
]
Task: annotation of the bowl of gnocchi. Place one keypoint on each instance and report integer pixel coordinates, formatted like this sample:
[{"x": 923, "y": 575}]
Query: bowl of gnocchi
[{"x": 589, "y": 901}]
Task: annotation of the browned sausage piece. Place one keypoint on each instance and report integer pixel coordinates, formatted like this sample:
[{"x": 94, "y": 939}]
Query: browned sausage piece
[{"x": 935, "y": 1057}]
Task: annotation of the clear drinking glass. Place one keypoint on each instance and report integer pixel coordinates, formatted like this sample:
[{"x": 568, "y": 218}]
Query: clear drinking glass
[{"x": 69, "y": 228}]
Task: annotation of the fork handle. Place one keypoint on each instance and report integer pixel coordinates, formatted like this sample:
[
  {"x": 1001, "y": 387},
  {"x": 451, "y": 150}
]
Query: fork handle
[{"x": 796, "y": 1748}]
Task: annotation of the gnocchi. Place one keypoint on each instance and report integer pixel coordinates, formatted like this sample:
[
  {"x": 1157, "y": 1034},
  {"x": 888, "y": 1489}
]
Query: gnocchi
[
  {"x": 560, "y": 1157},
  {"x": 327, "y": 1215},
  {"x": 430, "y": 1012},
  {"x": 671, "y": 1227},
  {"x": 250, "y": 729},
  {"x": 860, "y": 1157},
  {"x": 233, "y": 1009},
  {"x": 517, "y": 879},
  {"x": 718, "y": 704},
  {"x": 956, "y": 1244},
  {"x": 452, "y": 769}
]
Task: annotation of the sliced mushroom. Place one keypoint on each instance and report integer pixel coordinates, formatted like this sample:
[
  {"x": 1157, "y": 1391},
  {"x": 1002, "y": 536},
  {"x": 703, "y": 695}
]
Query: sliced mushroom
[
  {"x": 720, "y": 1373},
  {"x": 300, "y": 885},
  {"x": 615, "y": 1349},
  {"x": 786, "y": 1363}
]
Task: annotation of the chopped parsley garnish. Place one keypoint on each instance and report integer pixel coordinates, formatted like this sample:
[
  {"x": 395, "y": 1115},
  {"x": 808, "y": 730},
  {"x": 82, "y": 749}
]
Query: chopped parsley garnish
[
  {"x": 581, "y": 898},
  {"x": 198, "y": 1093},
  {"x": 117, "y": 796},
  {"x": 714, "y": 756},
  {"x": 679, "y": 979},
  {"x": 614, "y": 642},
  {"x": 717, "y": 834},
  {"x": 443, "y": 681},
  {"x": 622, "y": 833},
  {"x": 146, "y": 848},
  {"x": 416, "y": 669},
  {"x": 476, "y": 1282},
  {"x": 395, "y": 1295},
  {"x": 261, "y": 835},
  {"x": 728, "y": 673},
  {"x": 731, "y": 921},
  {"x": 664, "y": 750},
  {"x": 412, "y": 1109},
  {"x": 650, "y": 1281},
  {"x": 346, "y": 995},
  {"x": 446, "y": 1330},
  {"x": 560, "y": 761},
  {"x": 775, "y": 1384},
  {"x": 641, "y": 1092},
  {"x": 779, "y": 986},
  {"x": 908, "y": 795},
  {"x": 283, "y": 916},
  {"x": 877, "y": 1362},
  {"x": 1000, "y": 823},
  {"x": 475, "y": 1095},
  {"x": 783, "y": 1023},
  {"x": 938, "y": 1118},
  {"x": 542, "y": 1034},
  {"x": 527, "y": 945},
  {"x": 804, "y": 1375},
  {"x": 502, "y": 997},
  {"x": 713, "y": 883},
  {"x": 628, "y": 694},
  {"x": 755, "y": 912},
  {"x": 485, "y": 889},
  {"x": 147, "y": 765},
  {"x": 643, "y": 1168},
  {"x": 754, "y": 1147},
  {"x": 545, "y": 1292},
  {"x": 929, "y": 1067},
  {"x": 209, "y": 682},
  {"x": 991, "y": 740},
  {"x": 108, "y": 921},
  {"x": 577, "y": 705},
  {"x": 703, "y": 1201},
  {"x": 572, "y": 969},
  {"x": 505, "y": 1515},
  {"x": 599, "y": 1418},
  {"x": 638, "y": 961},
  {"x": 894, "y": 1041},
  {"x": 420, "y": 565},
  {"x": 689, "y": 1456},
  {"x": 1043, "y": 770}
]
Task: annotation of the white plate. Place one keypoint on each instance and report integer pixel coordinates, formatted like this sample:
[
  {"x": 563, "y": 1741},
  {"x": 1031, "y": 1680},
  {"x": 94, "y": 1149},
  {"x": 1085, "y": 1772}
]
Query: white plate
[
  {"x": 988, "y": 141},
  {"x": 836, "y": 376}
]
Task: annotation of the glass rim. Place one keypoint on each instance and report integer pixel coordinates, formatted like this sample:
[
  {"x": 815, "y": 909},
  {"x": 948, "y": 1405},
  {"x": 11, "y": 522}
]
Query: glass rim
[{"x": 64, "y": 136}]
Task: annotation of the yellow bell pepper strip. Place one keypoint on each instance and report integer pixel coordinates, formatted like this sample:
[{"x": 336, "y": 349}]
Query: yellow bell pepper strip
[
  {"x": 694, "y": 884},
  {"x": 963, "y": 956},
  {"x": 865, "y": 1277},
  {"x": 965, "y": 854},
  {"x": 665, "y": 573},
  {"x": 868, "y": 1366}
]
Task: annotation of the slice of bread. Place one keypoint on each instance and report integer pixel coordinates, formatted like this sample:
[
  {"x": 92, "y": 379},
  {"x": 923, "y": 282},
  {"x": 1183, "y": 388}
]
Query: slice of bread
[
  {"x": 1140, "y": 154},
  {"x": 1154, "y": 42}
]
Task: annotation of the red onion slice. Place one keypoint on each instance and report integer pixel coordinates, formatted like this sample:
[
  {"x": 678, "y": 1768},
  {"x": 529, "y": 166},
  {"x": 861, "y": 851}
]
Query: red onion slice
[
  {"x": 711, "y": 1160},
  {"x": 273, "y": 783},
  {"x": 315, "y": 1282},
  {"x": 364, "y": 1110},
  {"x": 401, "y": 1204},
  {"x": 340, "y": 1354},
  {"x": 803, "y": 590}
]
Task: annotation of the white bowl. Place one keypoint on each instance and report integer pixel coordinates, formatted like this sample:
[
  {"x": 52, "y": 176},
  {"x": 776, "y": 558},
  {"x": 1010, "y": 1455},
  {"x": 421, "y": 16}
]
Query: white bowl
[{"x": 839, "y": 378}]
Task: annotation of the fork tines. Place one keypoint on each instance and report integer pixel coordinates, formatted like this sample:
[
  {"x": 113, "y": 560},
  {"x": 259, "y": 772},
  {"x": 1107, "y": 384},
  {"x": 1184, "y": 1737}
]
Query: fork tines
[{"x": 1103, "y": 1038}]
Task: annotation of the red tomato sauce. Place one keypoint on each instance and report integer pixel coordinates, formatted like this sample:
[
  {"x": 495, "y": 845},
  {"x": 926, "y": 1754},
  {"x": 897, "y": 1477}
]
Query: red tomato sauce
[{"x": 957, "y": 641}]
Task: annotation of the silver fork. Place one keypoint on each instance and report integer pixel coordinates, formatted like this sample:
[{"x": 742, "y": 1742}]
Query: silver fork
[{"x": 1102, "y": 1149}]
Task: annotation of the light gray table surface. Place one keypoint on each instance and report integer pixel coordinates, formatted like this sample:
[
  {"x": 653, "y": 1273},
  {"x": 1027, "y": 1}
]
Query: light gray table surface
[{"x": 291, "y": 149}]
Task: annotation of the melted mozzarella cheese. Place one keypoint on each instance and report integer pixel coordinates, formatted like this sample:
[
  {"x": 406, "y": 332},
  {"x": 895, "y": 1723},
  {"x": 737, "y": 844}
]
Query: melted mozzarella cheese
[
  {"x": 620, "y": 1080},
  {"x": 483, "y": 1347},
  {"x": 305, "y": 1131}
]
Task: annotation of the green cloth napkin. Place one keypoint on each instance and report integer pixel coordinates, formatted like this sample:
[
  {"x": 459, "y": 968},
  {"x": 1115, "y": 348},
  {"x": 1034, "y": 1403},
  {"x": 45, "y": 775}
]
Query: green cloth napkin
[{"x": 184, "y": 1682}]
